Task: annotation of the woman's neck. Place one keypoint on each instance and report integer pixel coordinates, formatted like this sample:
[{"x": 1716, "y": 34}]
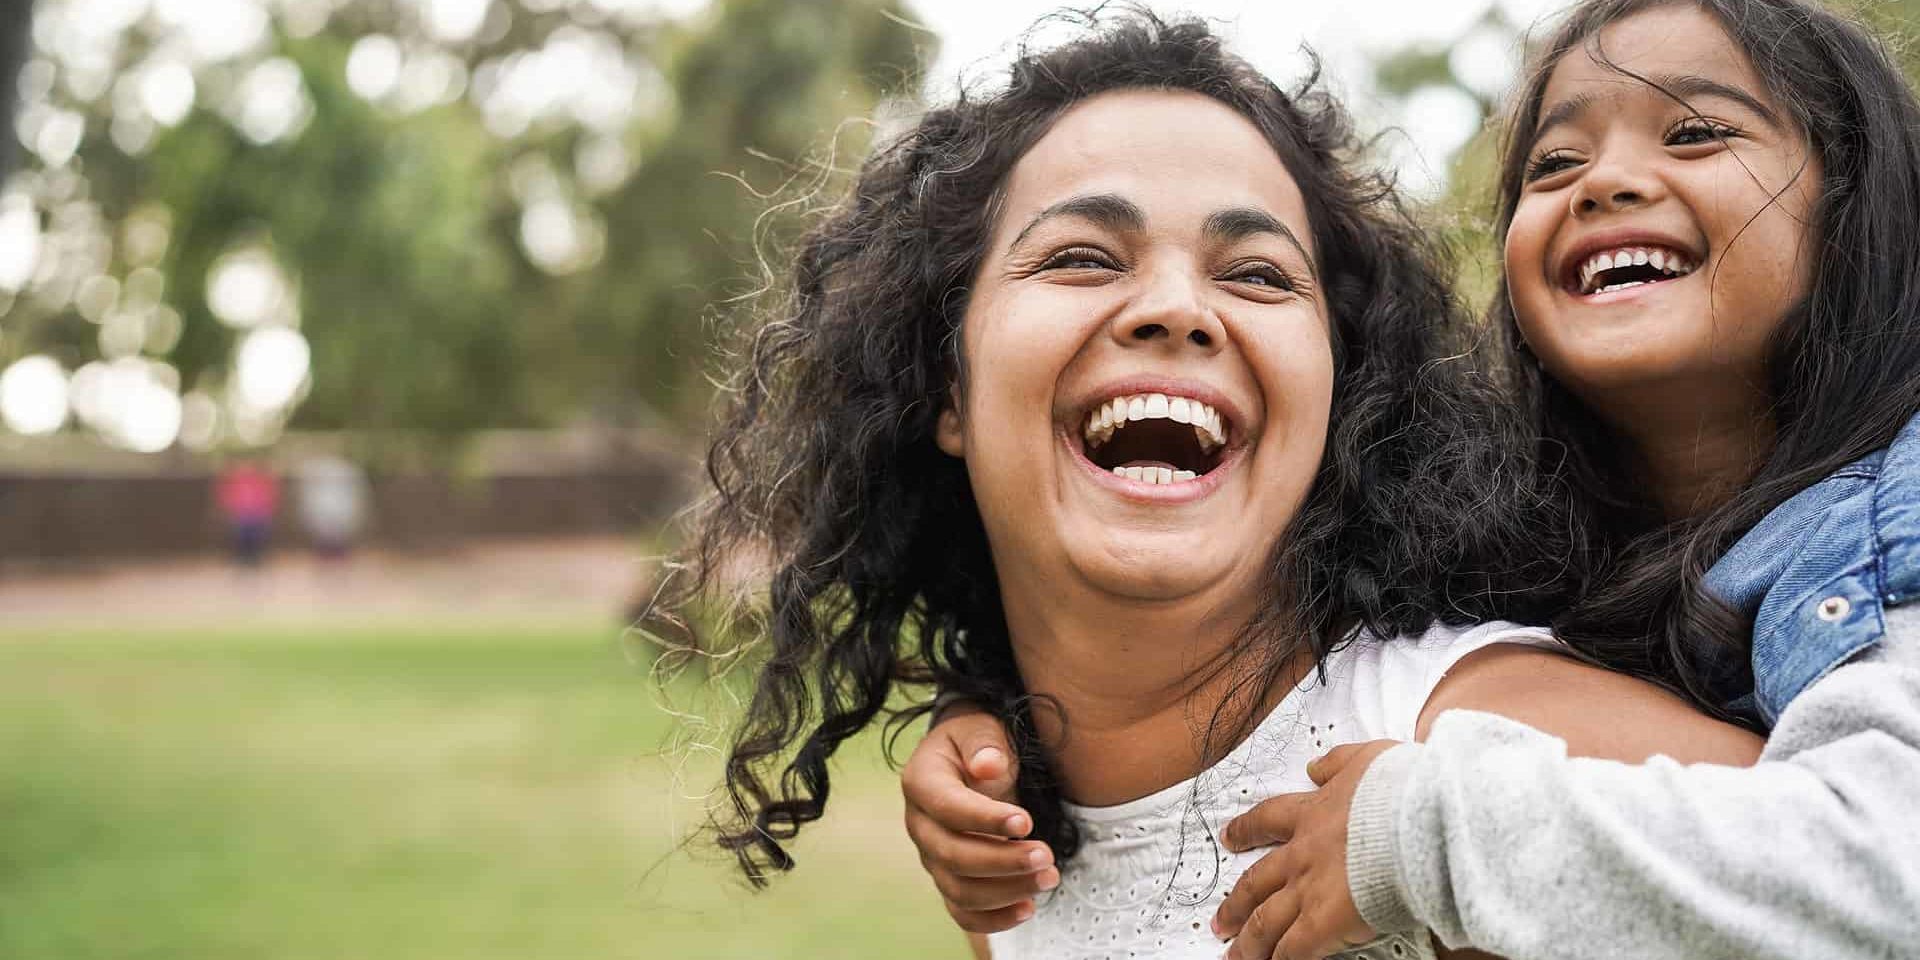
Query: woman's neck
[{"x": 1136, "y": 687}]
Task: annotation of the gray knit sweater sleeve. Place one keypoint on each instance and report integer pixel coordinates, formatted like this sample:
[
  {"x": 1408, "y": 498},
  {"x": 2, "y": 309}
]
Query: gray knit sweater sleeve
[{"x": 1491, "y": 836}]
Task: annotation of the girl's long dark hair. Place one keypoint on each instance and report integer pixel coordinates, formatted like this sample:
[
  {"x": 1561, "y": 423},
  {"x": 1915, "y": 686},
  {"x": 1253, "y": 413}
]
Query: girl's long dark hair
[
  {"x": 1844, "y": 368},
  {"x": 825, "y": 471}
]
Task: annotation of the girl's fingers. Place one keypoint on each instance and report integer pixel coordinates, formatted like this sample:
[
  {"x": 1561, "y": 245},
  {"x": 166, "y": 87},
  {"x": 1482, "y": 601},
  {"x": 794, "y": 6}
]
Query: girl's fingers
[
  {"x": 940, "y": 795},
  {"x": 981, "y": 741},
  {"x": 975, "y": 895},
  {"x": 1260, "y": 938},
  {"x": 936, "y": 779},
  {"x": 1328, "y": 765},
  {"x": 992, "y": 921},
  {"x": 1268, "y": 876},
  {"x": 1270, "y": 821},
  {"x": 976, "y": 857}
]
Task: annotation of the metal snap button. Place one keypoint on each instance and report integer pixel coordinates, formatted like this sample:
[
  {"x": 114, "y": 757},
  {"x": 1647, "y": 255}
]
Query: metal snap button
[{"x": 1833, "y": 608}]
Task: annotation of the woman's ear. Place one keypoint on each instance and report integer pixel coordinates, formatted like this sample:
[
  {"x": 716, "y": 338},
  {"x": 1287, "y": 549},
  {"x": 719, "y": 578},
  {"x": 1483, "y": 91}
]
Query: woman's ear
[{"x": 949, "y": 435}]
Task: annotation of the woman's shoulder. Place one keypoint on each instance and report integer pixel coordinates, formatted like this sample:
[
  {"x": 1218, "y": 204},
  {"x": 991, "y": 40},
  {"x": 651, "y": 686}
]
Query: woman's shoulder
[{"x": 1387, "y": 681}]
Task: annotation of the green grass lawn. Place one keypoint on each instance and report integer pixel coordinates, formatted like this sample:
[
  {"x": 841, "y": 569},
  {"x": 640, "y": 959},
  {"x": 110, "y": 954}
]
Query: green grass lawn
[{"x": 387, "y": 794}]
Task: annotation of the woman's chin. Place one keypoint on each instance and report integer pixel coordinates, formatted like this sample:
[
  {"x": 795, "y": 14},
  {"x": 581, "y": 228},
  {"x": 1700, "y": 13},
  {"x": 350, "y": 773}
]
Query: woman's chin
[{"x": 1157, "y": 572}]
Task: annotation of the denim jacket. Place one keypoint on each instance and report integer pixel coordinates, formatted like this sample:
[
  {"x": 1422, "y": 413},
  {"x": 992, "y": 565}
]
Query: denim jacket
[{"x": 1818, "y": 573}]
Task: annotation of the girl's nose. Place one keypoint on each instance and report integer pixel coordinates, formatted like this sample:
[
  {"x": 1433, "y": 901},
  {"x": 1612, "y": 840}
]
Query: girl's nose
[{"x": 1614, "y": 184}]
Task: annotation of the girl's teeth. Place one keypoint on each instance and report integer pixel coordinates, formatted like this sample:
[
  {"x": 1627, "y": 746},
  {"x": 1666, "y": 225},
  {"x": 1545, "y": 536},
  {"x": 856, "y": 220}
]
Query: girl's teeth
[
  {"x": 1665, "y": 261},
  {"x": 1177, "y": 410},
  {"x": 1156, "y": 405},
  {"x": 1137, "y": 408}
]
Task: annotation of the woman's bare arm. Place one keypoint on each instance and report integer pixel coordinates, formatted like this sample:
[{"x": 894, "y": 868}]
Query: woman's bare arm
[{"x": 1598, "y": 713}]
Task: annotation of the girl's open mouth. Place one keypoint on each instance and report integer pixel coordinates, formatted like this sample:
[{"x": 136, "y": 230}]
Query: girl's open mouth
[
  {"x": 1155, "y": 438},
  {"x": 1624, "y": 268}
]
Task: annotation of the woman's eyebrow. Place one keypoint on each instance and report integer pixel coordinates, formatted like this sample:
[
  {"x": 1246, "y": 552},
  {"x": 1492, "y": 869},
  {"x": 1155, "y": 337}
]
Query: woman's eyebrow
[
  {"x": 1237, "y": 223},
  {"x": 1109, "y": 210}
]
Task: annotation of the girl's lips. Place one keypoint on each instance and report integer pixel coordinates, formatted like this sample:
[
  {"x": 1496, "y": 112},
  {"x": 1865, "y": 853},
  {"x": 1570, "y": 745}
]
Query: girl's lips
[{"x": 1186, "y": 491}]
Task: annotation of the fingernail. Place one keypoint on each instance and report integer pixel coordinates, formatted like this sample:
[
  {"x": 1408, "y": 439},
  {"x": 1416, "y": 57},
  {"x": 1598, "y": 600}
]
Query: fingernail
[
  {"x": 1218, "y": 934},
  {"x": 1017, "y": 826},
  {"x": 1024, "y": 911},
  {"x": 1038, "y": 859},
  {"x": 1049, "y": 880},
  {"x": 986, "y": 753}
]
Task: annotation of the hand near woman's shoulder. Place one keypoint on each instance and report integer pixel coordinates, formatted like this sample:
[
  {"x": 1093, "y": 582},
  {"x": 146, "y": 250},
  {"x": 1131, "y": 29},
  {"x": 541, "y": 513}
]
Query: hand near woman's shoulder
[
  {"x": 1296, "y": 902},
  {"x": 956, "y": 785}
]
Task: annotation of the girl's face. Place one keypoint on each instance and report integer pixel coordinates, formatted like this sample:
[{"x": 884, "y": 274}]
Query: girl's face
[
  {"x": 1148, "y": 369},
  {"x": 1659, "y": 243}
]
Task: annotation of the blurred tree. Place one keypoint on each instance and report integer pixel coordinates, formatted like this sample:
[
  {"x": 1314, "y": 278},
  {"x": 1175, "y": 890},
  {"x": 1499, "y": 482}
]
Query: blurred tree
[
  {"x": 376, "y": 217},
  {"x": 15, "y": 18}
]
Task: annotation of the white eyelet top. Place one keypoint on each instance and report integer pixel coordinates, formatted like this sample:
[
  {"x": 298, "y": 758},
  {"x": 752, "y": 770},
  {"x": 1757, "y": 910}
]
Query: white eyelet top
[{"x": 1151, "y": 872}]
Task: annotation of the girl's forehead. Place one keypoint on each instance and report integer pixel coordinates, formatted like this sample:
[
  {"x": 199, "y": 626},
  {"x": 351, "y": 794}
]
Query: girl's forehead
[{"x": 1679, "y": 49}]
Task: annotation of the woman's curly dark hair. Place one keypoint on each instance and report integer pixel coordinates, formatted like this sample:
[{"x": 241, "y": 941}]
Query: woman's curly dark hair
[
  {"x": 825, "y": 469},
  {"x": 1843, "y": 370}
]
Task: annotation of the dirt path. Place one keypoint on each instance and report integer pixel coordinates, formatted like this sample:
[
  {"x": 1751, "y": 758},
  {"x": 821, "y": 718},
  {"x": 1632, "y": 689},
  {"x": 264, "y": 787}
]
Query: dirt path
[{"x": 514, "y": 581}]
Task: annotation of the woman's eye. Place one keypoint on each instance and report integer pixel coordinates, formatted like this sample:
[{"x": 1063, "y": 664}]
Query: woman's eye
[
  {"x": 1548, "y": 164},
  {"x": 1694, "y": 132},
  {"x": 1078, "y": 258},
  {"x": 1260, "y": 274}
]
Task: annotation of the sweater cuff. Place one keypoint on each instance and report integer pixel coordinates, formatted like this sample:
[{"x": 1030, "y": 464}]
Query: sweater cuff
[{"x": 1373, "y": 867}]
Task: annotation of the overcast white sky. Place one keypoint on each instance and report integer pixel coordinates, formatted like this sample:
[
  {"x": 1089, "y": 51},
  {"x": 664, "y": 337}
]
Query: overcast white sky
[{"x": 977, "y": 35}]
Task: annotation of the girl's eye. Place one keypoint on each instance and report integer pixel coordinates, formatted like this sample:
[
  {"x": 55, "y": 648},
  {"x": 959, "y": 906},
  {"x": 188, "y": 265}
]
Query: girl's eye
[
  {"x": 1260, "y": 274},
  {"x": 1697, "y": 131},
  {"x": 1079, "y": 258},
  {"x": 1549, "y": 163}
]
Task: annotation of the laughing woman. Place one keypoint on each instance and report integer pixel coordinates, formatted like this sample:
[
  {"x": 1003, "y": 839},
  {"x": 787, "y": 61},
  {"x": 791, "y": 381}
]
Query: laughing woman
[{"x": 1116, "y": 402}]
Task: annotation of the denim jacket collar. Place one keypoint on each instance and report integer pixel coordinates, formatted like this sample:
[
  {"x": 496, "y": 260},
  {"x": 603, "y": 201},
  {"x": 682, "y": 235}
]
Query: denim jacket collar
[{"x": 1817, "y": 573}]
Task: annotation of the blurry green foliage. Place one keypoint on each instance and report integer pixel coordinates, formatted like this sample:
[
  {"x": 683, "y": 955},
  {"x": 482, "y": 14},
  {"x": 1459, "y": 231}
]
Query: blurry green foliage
[{"x": 402, "y": 229}]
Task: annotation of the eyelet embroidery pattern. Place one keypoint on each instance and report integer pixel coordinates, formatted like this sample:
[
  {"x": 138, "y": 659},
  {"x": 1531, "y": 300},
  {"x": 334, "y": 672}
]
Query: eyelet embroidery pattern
[
  {"x": 1147, "y": 884},
  {"x": 1151, "y": 873}
]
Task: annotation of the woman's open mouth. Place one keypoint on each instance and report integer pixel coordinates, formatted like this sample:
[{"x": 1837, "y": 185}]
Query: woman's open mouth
[
  {"x": 1624, "y": 268},
  {"x": 1155, "y": 438}
]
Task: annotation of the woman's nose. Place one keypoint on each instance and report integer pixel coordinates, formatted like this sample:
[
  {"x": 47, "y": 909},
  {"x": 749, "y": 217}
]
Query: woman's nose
[{"x": 1170, "y": 311}]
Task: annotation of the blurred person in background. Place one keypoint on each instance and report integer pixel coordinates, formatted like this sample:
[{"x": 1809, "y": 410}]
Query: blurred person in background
[
  {"x": 332, "y": 504},
  {"x": 248, "y": 494}
]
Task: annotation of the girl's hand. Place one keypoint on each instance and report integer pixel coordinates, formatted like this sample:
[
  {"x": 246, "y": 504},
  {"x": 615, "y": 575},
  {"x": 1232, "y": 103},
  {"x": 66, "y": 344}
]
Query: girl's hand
[
  {"x": 1294, "y": 903},
  {"x": 956, "y": 786}
]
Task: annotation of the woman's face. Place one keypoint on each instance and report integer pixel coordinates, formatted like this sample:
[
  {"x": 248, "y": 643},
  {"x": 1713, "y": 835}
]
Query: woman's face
[
  {"x": 1659, "y": 242},
  {"x": 1148, "y": 369}
]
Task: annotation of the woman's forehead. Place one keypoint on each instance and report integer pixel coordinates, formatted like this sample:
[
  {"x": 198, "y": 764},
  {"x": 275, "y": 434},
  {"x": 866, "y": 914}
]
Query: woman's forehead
[{"x": 1176, "y": 155}]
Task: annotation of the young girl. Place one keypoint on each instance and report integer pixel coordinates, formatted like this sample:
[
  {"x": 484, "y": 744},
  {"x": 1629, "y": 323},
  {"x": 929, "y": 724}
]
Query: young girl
[
  {"x": 1115, "y": 401},
  {"x": 1757, "y": 163}
]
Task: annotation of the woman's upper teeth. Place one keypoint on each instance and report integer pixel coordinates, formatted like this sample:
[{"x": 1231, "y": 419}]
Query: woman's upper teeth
[
  {"x": 1109, "y": 417},
  {"x": 1670, "y": 262}
]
